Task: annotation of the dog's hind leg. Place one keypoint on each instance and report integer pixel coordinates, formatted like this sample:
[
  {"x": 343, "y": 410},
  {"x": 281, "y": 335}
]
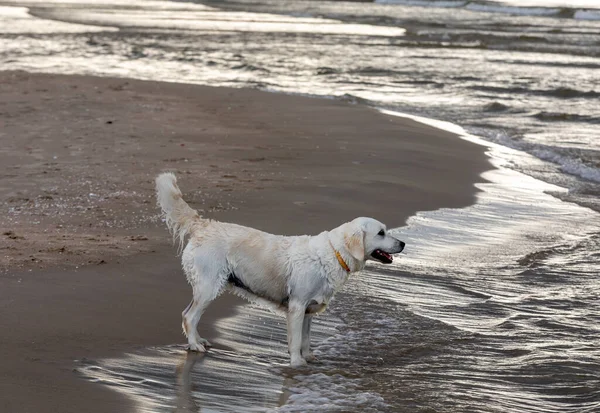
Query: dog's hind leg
[
  {"x": 205, "y": 289},
  {"x": 184, "y": 325}
]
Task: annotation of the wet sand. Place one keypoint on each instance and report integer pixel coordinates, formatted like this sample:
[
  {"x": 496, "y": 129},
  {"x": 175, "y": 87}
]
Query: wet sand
[{"x": 88, "y": 270}]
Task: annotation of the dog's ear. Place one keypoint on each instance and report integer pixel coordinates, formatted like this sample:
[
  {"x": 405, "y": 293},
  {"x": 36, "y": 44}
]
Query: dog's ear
[{"x": 354, "y": 240}]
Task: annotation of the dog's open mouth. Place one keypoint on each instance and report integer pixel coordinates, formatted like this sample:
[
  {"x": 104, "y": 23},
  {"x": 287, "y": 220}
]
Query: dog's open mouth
[{"x": 382, "y": 256}]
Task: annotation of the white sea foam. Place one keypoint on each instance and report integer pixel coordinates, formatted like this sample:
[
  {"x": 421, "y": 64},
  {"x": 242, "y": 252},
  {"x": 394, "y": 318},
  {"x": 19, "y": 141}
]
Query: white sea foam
[
  {"x": 18, "y": 20},
  {"x": 218, "y": 21},
  {"x": 568, "y": 164}
]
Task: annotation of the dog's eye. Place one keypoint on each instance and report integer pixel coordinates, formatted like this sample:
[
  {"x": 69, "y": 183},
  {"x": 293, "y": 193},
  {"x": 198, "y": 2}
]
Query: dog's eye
[{"x": 381, "y": 233}]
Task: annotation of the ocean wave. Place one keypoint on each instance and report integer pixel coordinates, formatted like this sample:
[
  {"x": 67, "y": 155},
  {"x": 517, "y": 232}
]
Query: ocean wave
[
  {"x": 249, "y": 67},
  {"x": 565, "y": 117},
  {"x": 584, "y": 250},
  {"x": 535, "y": 258},
  {"x": 559, "y": 92},
  {"x": 568, "y": 164},
  {"x": 325, "y": 70},
  {"x": 587, "y": 15},
  {"x": 495, "y": 107},
  {"x": 568, "y": 64},
  {"x": 523, "y": 11},
  {"x": 579, "y": 163},
  {"x": 426, "y": 3},
  {"x": 490, "y": 7},
  {"x": 371, "y": 71},
  {"x": 567, "y": 92}
]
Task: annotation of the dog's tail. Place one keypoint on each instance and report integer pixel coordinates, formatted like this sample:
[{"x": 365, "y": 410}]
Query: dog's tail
[{"x": 180, "y": 218}]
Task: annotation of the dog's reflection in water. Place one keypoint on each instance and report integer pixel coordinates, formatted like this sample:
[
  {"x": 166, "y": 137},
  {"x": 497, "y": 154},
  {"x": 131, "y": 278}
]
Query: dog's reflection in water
[
  {"x": 270, "y": 392},
  {"x": 185, "y": 400}
]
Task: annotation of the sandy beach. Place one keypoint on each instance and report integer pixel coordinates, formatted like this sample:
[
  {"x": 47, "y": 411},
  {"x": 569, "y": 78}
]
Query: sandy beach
[{"x": 87, "y": 268}]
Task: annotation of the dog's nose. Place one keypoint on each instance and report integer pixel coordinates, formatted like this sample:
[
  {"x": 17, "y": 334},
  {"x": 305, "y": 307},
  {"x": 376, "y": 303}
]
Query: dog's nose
[{"x": 402, "y": 245}]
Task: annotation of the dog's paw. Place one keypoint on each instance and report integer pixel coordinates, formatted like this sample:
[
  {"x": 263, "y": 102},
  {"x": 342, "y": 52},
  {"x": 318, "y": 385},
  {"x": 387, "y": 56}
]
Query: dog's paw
[
  {"x": 298, "y": 362},
  {"x": 197, "y": 347}
]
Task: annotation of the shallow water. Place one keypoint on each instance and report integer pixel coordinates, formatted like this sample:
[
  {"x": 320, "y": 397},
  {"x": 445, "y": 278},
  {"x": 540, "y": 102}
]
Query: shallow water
[{"x": 492, "y": 307}]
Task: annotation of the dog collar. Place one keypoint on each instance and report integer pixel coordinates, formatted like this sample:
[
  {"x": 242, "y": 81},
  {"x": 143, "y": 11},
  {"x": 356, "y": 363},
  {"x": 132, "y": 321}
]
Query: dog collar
[{"x": 340, "y": 259}]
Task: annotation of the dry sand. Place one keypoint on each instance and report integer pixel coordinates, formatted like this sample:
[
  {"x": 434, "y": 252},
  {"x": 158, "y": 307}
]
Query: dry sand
[{"x": 87, "y": 269}]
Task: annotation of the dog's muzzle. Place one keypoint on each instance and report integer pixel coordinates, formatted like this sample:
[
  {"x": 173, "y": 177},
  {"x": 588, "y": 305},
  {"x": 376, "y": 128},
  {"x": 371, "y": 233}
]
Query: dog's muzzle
[{"x": 386, "y": 257}]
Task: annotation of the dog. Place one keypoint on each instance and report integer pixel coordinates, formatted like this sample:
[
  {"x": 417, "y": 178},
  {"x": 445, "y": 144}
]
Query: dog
[{"x": 295, "y": 276}]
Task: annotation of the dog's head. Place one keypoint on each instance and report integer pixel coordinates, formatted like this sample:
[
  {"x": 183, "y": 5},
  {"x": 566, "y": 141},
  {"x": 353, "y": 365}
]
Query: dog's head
[{"x": 367, "y": 239}]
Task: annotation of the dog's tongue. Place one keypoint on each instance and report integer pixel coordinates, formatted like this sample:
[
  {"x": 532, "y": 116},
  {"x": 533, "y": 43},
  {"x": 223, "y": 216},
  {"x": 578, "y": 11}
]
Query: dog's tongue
[{"x": 386, "y": 255}]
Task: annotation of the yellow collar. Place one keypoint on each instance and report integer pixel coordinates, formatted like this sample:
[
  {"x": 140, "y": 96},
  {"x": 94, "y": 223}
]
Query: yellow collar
[{"x": 340, "y": 259}]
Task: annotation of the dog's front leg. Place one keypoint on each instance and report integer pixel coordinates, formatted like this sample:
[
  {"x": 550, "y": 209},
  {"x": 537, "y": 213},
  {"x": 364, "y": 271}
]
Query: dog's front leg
[
  {"x": 295, "y": 319},
  {"x": 306, "y": 353}
]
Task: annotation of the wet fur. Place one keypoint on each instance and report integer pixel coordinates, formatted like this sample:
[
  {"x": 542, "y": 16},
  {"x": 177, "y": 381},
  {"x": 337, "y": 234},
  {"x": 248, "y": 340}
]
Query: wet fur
[{"x": 294, "y": 276}]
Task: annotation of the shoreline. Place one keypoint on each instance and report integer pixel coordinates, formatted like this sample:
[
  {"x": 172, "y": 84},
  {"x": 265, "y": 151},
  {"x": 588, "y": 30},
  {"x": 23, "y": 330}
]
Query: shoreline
[{"x": 81, "y": 182}]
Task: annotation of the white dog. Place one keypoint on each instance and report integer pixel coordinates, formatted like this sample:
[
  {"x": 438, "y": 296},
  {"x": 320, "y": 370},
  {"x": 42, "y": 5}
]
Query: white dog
[{"x": 296, "y": 276}]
